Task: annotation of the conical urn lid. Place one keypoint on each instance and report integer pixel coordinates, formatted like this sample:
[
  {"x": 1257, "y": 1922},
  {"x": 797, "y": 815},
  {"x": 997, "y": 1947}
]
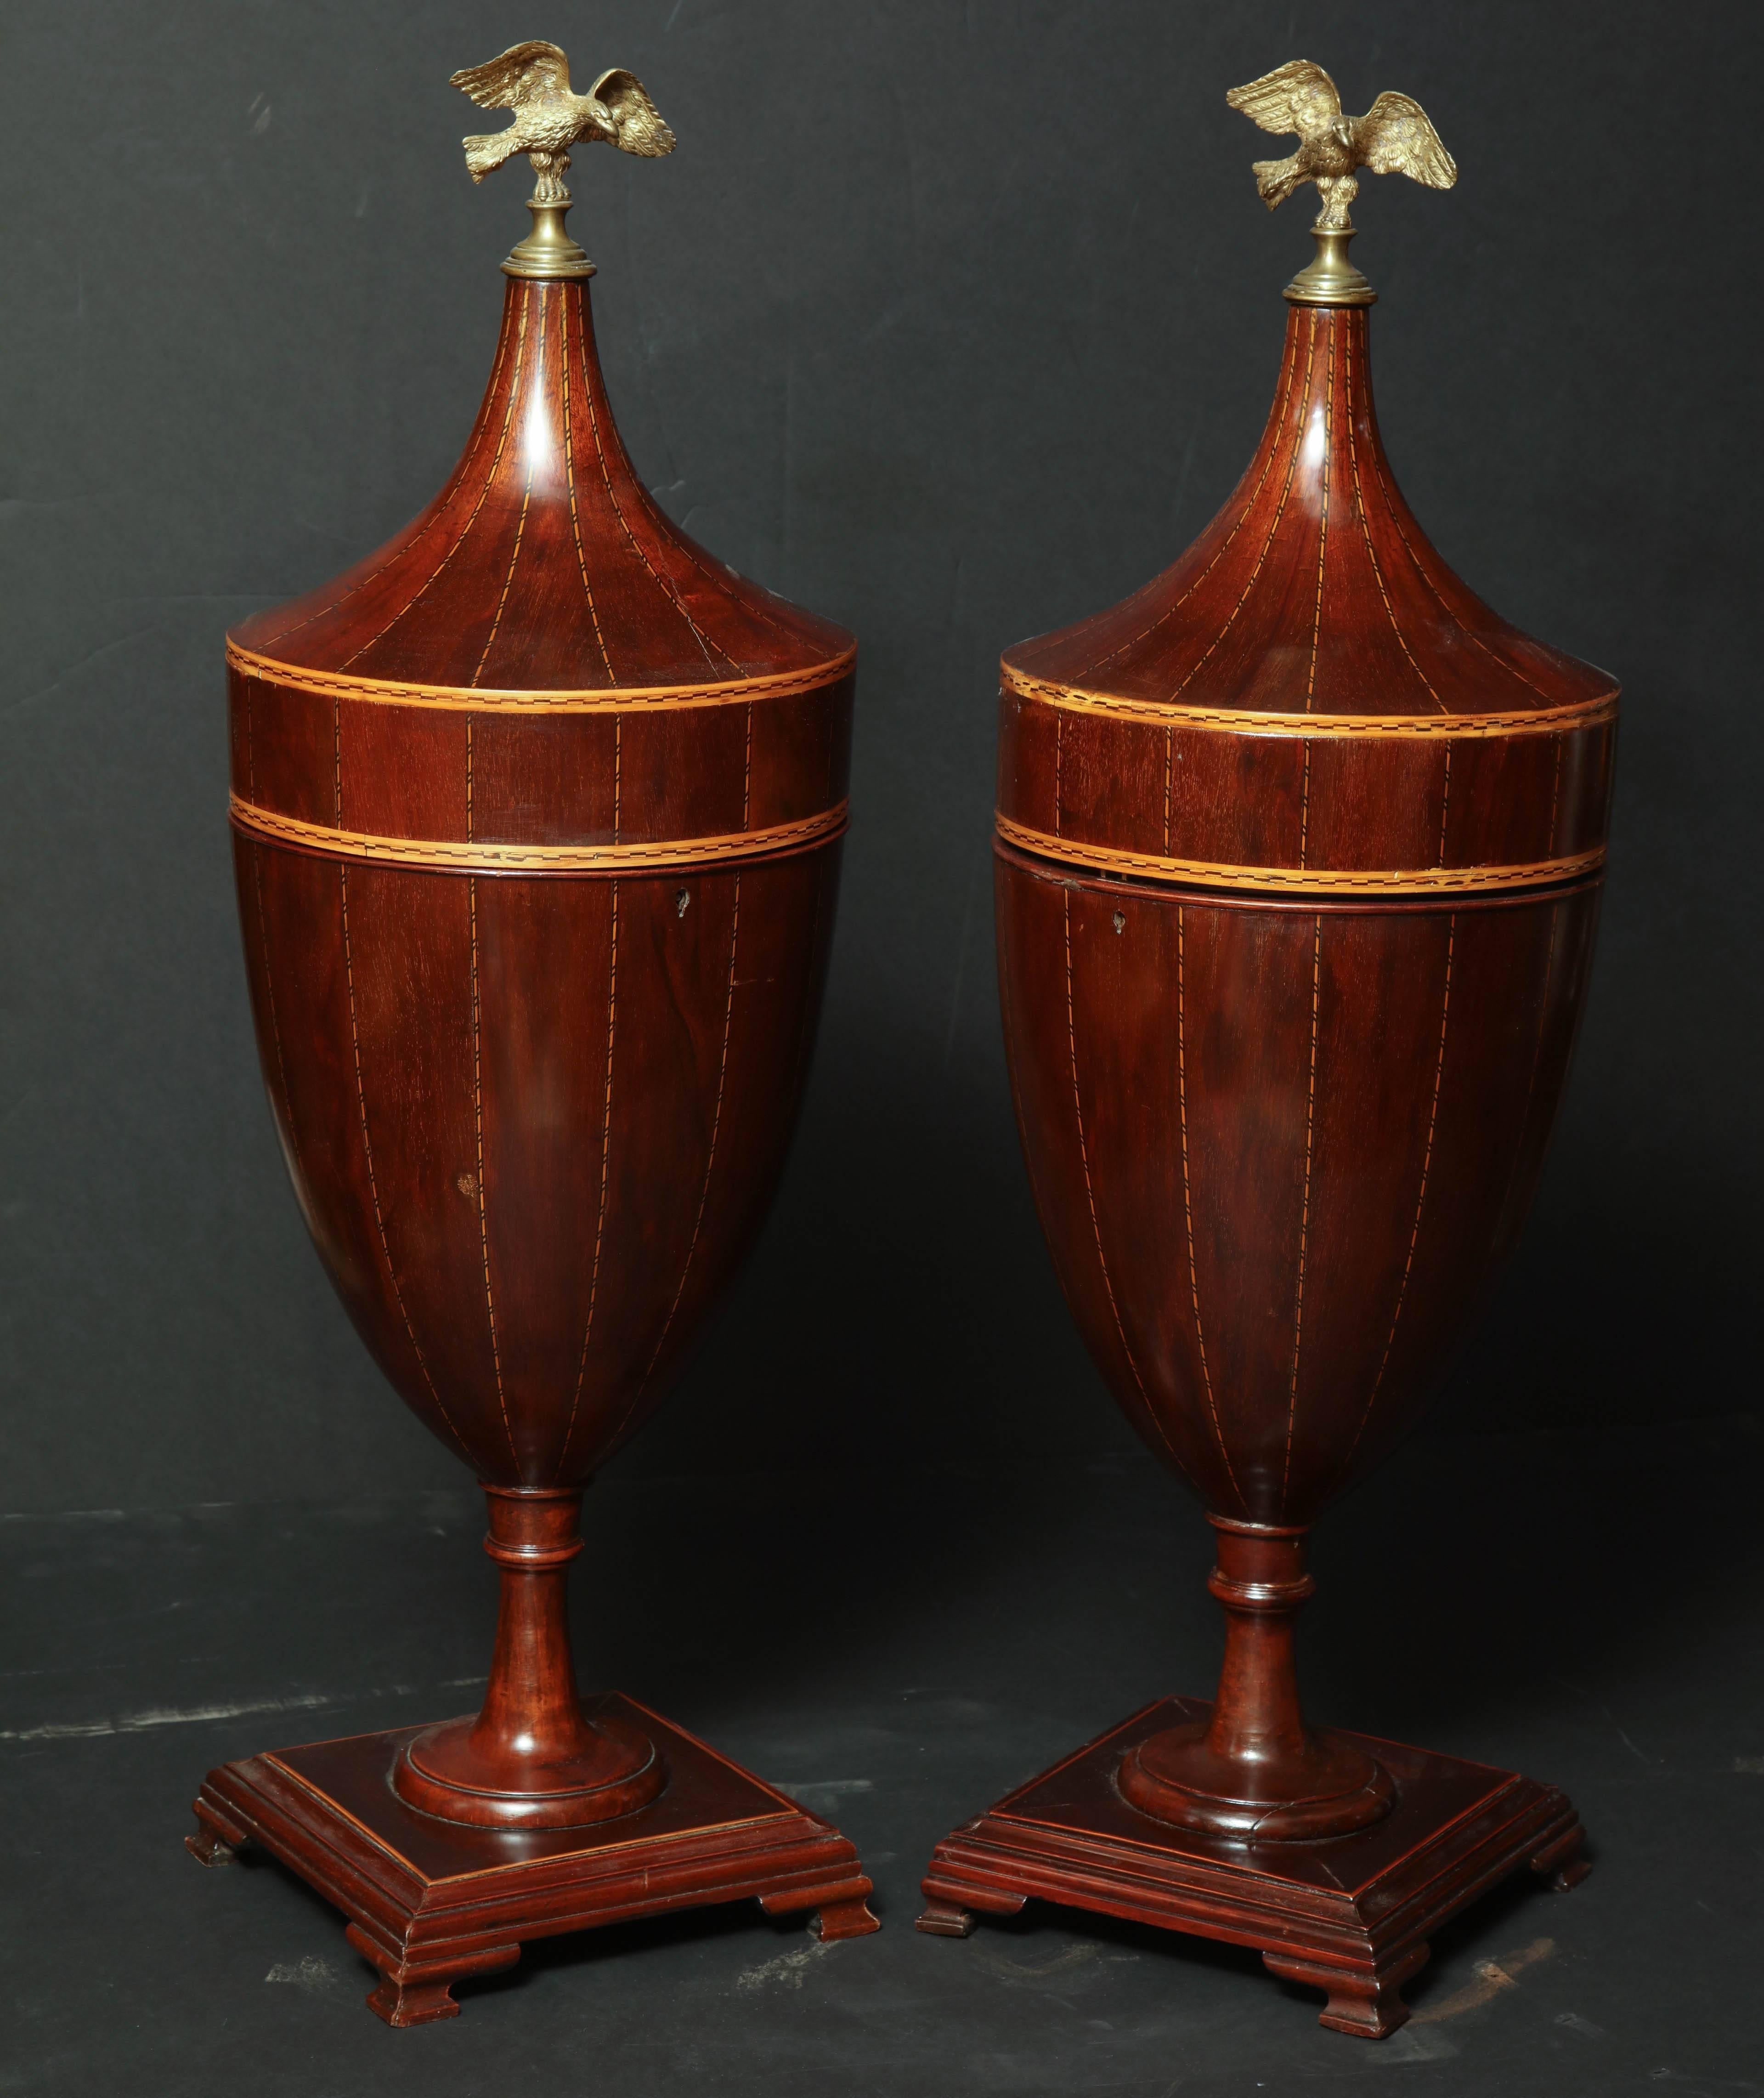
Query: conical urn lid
[
  {"x": 544, "y": 564},
  {"x": 1310, "y": 700},
  {"x": 537, "y": 817},
  {"x": 542, "y": 664}
]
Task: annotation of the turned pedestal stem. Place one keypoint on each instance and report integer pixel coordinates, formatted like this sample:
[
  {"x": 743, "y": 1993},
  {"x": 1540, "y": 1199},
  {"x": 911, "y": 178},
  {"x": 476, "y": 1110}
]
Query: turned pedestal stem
[
  {"x": 1255, "y": 1772},
  {"x": 1260, "y": 1582},
  {"x": 532, "y": 1758},
  {"x": 531, "y": 1709}
]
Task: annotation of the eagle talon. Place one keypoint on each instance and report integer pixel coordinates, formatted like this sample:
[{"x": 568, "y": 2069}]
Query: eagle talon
[{"x": 549, "y": 171}]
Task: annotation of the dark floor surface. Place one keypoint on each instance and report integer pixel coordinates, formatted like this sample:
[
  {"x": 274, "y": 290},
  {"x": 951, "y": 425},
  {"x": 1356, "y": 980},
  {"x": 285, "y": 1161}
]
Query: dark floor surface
[{"x": 897, "y": 1651}]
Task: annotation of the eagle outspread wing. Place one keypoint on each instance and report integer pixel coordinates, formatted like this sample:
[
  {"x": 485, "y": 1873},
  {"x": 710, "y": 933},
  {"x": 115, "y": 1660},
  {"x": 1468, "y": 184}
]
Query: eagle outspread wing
[
  {"x": 523, "y": 73},
  {"x": 1395, "y": 138},
  {"x": 637, "y": 124},
  {"x": 1297, "y": 97}
]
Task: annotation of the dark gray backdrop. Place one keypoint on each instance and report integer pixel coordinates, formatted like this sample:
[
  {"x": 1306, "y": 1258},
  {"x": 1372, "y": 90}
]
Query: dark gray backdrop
[{"x": 954, "y": 319}]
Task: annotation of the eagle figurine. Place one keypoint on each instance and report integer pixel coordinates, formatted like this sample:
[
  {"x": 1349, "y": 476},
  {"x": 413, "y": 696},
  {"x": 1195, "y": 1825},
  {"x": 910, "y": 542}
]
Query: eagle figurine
[
  {"x": 1393, "y": 137},
  {"x": 532, "y": 80}
]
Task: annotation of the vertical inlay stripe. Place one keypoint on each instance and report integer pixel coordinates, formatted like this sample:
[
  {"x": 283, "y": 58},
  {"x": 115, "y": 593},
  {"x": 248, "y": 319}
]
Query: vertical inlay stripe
[
  {"x": 520, "y": 522},
  {"x": 1286, "y": 490},
  {"x": 667, "y": 589},
  {"x": 373, "y": 1184},
  {"x": 1322, "y": 528},
  {"x": 710, "y": 1162},
  {"x": 1445, "y": 807},
  {"x": 1289, "y": 365},
  {"x": 1188, "y": 1212},
  {"x": 606, "y": 1181},
  {"x": 1304, "y": 810},
  {"x": 444, "y": 502},
  {"x": 1365, "y": 534},
  {"x": 1420, "y": 1200},
  {"x": 569, "y": 472},
  {"x": 489, "y": 482},
  {"x": 1089, "y": 1193},
  {"x": 1303, "y": 1222},
  {"x": 1469, "y": 633},
  {"x": 484, "y": 1213}
]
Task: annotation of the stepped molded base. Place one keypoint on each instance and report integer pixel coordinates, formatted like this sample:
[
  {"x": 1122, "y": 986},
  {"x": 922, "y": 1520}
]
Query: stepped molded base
[
  {"x": 1350, "y": 1914},
  {"x": 431, "y": 1903}
]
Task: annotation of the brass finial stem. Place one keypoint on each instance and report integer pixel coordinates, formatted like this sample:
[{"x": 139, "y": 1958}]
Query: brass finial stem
[
  {"x": 1332, "y": 280},
  {"x": 551, "y": 249}
]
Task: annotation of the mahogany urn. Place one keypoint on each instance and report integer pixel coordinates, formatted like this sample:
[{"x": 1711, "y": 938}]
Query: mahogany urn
[
  {"x": 1298, "y": 863},
  {"x": 537, "y": 818}
]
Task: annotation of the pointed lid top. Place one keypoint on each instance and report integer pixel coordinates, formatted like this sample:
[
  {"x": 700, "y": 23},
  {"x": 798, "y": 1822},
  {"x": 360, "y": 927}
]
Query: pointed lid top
[
  {"x": 1314, "y": 590},
  {"x": 1309, "y": 703},
  {"x": 544, "y": 564}
]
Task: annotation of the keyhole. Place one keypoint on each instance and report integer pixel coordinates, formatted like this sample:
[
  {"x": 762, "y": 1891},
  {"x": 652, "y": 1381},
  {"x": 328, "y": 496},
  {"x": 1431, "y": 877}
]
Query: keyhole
[
  {"x": 681, "y": 899},
  {"x": 1120, "y": 921}
]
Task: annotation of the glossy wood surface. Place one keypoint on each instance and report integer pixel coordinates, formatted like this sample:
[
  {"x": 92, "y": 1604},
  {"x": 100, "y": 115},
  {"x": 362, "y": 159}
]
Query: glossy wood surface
[
  {"x": 534, "y": 1122},
  {"x": 1253, "y": 1772},
  {"x": 1299, "y": 860},
  {"x": 603, "y": 589},
  {"x": 532, "y": 1758},
  {"x": 1309, "y": 689},
  {"x": 534, "y": 1125},
  {"x": 536, "y": 816},
  {"x": 1279, "y": 1153},
  {"x": 431, "y": 1903},
  {"x": 1352, "y": 1917}
]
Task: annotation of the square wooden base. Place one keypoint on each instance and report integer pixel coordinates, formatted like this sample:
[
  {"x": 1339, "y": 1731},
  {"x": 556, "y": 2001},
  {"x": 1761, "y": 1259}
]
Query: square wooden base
[
  {"x": 1351, "y": 1914},
  {"x": 430, "y": 1901}
]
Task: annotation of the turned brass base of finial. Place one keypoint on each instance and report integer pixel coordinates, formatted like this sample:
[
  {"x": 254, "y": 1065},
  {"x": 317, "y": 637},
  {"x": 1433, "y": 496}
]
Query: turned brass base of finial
[
  {"x": 1332, "y": 280},
  {"x": 551, "y": 249}
]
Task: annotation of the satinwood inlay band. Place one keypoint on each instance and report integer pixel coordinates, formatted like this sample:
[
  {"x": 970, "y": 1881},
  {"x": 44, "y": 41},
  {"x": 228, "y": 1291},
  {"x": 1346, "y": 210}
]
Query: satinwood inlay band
[
  {"x": 1247, "y": 721},
  {"x": 481, "y": 698},
  {"x": 480, "y": 856},
  {"x": 1298, "y": 881}
]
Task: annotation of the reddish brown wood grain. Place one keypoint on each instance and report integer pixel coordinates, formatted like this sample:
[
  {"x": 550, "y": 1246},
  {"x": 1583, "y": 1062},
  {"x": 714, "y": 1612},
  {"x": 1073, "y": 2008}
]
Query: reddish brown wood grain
[
  {"x": 1298, "y": 871},
  {"x": 1352, "y": 1917},
  {"x": 534, "y": 1122},
  {"x": 1316, "y": 594},
  {"x": 1278, "y": 1152},
  {"x": 537, "y": 815},
  {"x": 431, "y": 1903},
  {"x": 607, "y": 592}
]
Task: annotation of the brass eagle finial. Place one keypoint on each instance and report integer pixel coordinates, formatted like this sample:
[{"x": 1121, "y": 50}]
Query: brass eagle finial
[
  {"x": 532, "y": 80},
  {"x": 1393, "y": 137}
]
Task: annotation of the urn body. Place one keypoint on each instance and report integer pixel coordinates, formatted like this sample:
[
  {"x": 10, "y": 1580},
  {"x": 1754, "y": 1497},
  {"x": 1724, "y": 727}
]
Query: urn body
[
  {"x": 1299, "y": 858},
  {"x": 1298, "y": 868},
  {"x": 536, "y": 818}
]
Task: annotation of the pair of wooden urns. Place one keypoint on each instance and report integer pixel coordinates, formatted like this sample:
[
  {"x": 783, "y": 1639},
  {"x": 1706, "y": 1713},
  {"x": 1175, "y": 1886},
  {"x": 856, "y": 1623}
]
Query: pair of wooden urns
[{"x": 538, "y": 818}]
